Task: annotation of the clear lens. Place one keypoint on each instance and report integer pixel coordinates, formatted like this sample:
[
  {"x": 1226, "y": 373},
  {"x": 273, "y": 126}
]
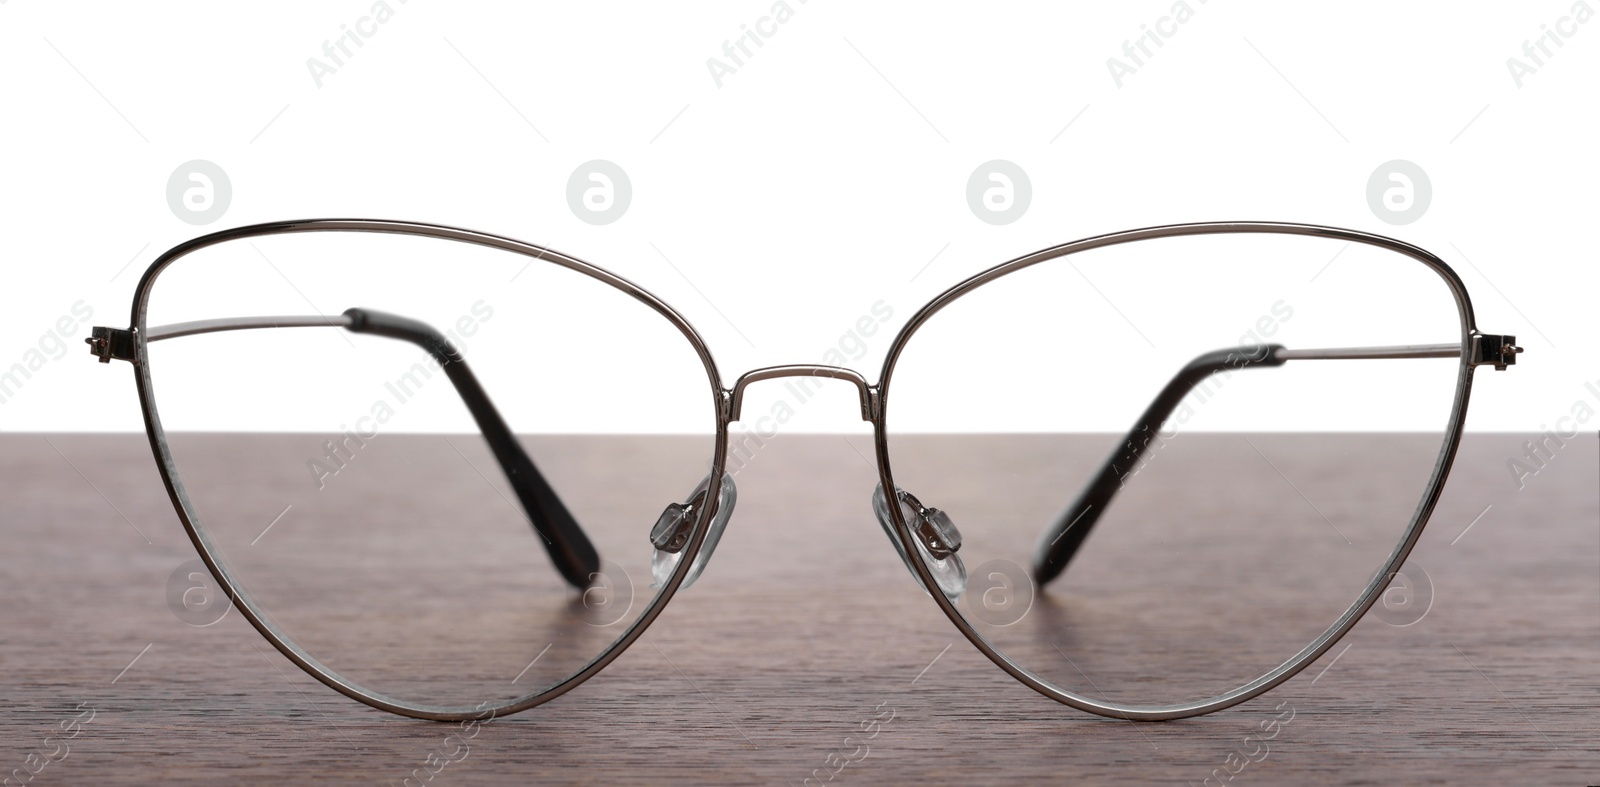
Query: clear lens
[
  {"x": 346, "y": 485},
  {"x": 1260, "y": 507}
]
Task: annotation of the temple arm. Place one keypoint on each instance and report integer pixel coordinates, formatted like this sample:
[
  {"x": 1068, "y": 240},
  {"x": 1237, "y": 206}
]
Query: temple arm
[
  {"x": 570, "y": 549},
  {"x": 1062, "y": 540}
]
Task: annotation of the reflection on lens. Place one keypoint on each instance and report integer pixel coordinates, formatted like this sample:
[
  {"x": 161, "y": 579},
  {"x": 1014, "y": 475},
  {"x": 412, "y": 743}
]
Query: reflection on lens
[
  {"x": 1236, "y": 527},
  {"x": 346, "y": 471}
]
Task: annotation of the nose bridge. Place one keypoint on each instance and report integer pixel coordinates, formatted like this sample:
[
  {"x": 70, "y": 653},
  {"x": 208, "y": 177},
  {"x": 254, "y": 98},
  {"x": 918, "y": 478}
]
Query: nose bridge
[{"x": 868, "y": 393}]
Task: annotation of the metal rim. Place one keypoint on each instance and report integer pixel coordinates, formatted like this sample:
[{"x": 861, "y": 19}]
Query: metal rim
[
  {"x": 874, "y": 406},
  {"x": 1352, "y": 614},
  {"x": 241, "y": 599}
]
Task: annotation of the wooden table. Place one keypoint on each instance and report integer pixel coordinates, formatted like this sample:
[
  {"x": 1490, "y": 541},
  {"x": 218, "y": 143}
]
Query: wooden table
[{"x": 754, "y": 677}]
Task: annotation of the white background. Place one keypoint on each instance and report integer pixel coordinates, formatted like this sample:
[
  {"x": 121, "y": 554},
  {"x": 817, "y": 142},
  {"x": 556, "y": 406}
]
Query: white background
[{"x": 826, "y": 173}]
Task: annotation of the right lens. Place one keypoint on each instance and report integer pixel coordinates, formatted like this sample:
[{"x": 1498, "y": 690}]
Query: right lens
[
  {"x": 342, "y": 480},
  {"x": 1259, "y": 508}
]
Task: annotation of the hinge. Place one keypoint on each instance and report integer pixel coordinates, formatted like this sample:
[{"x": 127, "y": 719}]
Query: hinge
[
  {"x": 1488, "y": 348},
  {"x": 111, "y": 343}
]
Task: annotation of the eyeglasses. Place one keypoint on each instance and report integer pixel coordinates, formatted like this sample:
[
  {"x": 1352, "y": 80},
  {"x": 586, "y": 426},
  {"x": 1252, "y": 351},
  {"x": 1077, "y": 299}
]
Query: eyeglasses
[{"x": 456, "y": 541}]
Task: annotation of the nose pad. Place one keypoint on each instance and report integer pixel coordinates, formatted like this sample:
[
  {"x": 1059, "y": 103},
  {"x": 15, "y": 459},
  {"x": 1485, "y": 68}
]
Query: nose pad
[
  {"x": 671, "y": 532},
  {"x": 936, "y": 536}
]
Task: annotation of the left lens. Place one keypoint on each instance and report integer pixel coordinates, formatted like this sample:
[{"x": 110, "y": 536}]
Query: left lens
[{"x": 343, "y": 482}]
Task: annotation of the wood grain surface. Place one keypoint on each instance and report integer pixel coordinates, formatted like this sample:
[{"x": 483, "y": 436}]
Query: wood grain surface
[{"x": 804, "y": 627}]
